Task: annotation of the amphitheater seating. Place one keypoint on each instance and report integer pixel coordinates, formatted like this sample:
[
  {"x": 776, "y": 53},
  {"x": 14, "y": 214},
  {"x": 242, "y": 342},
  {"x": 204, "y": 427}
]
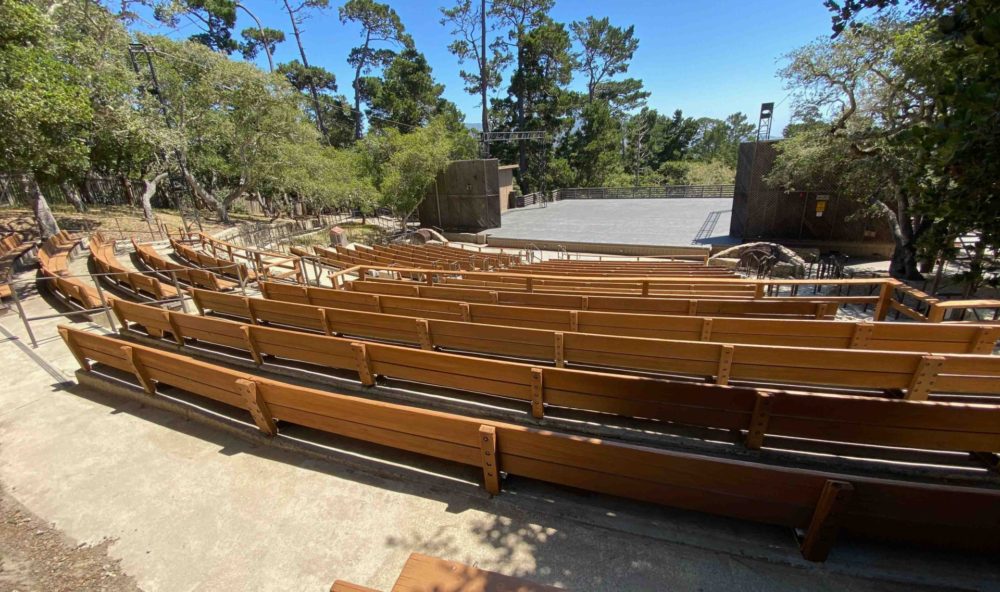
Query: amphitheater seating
[
  {"x": 53, "y": 261},
  {"x": 919, "y": 374},
  {"x": 14, "y": 246},
  {"x": 936, "y": 338},
  {"x": 102, "y": 251},
  {"x": 200, "y": 278},
  {"x": 220, "y": 266},
  {"x": 813, "y": 308},
  {"x": 342, "y": 257},
  {"x": 430, "y": 574},
  {"x": 820, "y": 503}
]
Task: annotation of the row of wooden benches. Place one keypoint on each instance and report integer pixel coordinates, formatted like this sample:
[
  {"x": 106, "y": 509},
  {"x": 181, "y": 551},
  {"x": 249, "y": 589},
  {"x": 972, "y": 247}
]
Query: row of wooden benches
[
  {"x": 715, "y": 305},
  {"x": 342, "y": 257},
  {"x": 226, "y": 267},
  {"x": 53, "y": 262},
  {"x": 437, "y": 254},
  {"x": 191, "y": 276},
  {"x": 837, "y": 418},
  {"x": 819, "y": 503},
  {"x": 102, "y": 251},
  {"x": 934, "y": 338},
  {"x": 918, "y": 374}
]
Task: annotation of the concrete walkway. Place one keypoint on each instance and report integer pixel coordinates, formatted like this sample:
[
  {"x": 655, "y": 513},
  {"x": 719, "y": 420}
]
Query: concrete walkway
[{"x": 189, "y": 507}]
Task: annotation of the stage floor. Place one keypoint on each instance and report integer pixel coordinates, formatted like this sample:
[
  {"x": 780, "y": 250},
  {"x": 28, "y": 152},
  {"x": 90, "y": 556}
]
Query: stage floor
[{"x": 680, "y": 221}]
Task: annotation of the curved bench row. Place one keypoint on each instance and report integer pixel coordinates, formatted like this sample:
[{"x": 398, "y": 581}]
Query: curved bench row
[
  {"x": 102, "y": 251},
  {"x": 223, "y": 266},
  {"x": 933, "y": 338},
  {"x": 837, "y": 418},
  {"x": 819, "y": 502},
  {"x": 917, "y": 374},
  {"x": 200, "y": 278},
  {"x": 722, "y": 306},
  {"x": 53, "y": 262}
]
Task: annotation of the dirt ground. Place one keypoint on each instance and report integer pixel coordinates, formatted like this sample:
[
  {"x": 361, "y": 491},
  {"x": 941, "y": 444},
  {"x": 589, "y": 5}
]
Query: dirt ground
[
  {"x": 36, "y": 556},
  {"x": 118, "y": 221}
]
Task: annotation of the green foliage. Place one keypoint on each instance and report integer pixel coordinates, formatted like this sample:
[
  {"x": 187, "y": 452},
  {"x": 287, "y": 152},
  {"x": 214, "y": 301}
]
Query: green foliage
[
  {"x": 45, "y": 111},
  {"x": 606, "y": 50},
  {"x": 255, "y": 40},
  {"x": 406, "y": 95}
]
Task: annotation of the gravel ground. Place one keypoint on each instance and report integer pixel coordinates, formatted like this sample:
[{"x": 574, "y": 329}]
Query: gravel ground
[{"x": 36, "y": 556}]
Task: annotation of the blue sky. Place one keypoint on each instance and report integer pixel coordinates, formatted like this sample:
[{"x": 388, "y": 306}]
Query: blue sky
[{"x": 709, "y": 57}]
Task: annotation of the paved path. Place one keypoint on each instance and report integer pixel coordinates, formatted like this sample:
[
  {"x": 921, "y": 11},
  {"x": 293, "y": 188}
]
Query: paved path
[
  {"x": 623, "y": 221},
  {"x": 189, "y": 507}
]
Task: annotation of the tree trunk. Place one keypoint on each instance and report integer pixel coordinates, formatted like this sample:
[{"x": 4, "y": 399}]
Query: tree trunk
[
  {"x": 127, "y": 187},
  {"x": 263, "y": 38},
  {"x": 47, "y": 225},
  {"x": 305, "y": 62},
  {"x": 147, "y": 195},
  {"x": 904, "y": 262},
  {"x": 73, "y": 195},
  {"x": 484, "y": 78},
  {"x": 357, "y": 90},
  {"x": 522, "y": 153}
]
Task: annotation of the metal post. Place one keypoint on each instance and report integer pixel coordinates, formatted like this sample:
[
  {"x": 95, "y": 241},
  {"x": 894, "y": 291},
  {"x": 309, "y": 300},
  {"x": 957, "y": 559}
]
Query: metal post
[
  {"x": 180, "y": 294},
  {"x": 24, "y": 317},
  {"x": 243, "y": 282},
  {"x": 104, "y": 303},
  {"x": 305, "y": 271}
]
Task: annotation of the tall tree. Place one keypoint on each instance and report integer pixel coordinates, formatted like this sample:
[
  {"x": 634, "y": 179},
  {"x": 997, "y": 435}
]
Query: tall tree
[
  {"x": 334, "y": 109},
  {"x": 870, "y": 82},
  {"x": 298, "y": 12},
  {"x": 406, "y": 96},
  {"x": 44, "y": 107},
  {"x": 544, "y": 103},
  {"x": 261, "y": 38},
  {"x": 380, "y": 26},
  {"x": 521, "y": 17},
  {"x": 468, "y": 19},
  {"x": 605, "y": 50}
]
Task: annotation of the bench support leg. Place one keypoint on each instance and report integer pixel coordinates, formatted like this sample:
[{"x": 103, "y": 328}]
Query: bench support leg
[
  {"x": 491, "y": 470},
  {"x": 826, "y": 520},
  {"x": 138, "y": 369},
  {"x": 537, "y": 393},
  {"x": 257, "y": 406}
]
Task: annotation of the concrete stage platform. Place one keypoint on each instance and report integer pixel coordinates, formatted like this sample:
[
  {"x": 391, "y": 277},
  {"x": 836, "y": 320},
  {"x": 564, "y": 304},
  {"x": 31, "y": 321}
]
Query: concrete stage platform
[{"x": 681, "y": 221}]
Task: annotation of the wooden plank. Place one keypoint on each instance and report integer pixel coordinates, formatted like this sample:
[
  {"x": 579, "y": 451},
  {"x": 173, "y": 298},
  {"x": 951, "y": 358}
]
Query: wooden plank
[
  {"x": 560, "y": 349},
  {"x": 139, "y": 369},
  {"x": 424, "y": 334},
  {"x": 251, "y": 345},
  {"x": 826, "y": 520},
  {"x": 862, "y": 335},
  {"x": 491, "y": 468},
  {"x": 68, "y": 339},
  {"x": 759, "y": 421},
  {"x": 342, "y": 586},
  {"x": 537, "y": 393},
  {"x": 706, "y": 328},
  {"x": 429, "y": 574},
  {"x": 364, "y": 364},
  {"x": 726, "y": 353},
  {"x": 258, "y": 407},
  {"x": 924, "y": 377}
]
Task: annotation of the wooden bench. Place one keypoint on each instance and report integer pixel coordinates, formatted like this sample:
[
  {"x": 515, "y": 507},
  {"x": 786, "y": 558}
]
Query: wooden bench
[
  {"x": 938, "y": 338},
  {"x": 837, "y": 418},
  {"x": 14, "y": 246},
  {"x": 200, "y": 278},
  {"x": 102, "y": 251},
  {"x": 53, "y": 261},
  {"x": 423, "y": 573},
  {"x": 821, "y": 503},
  {"x": 918, "y": 374},
  {"x": 224, "y": 267},
  {"x": 818, "y": 308}
]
